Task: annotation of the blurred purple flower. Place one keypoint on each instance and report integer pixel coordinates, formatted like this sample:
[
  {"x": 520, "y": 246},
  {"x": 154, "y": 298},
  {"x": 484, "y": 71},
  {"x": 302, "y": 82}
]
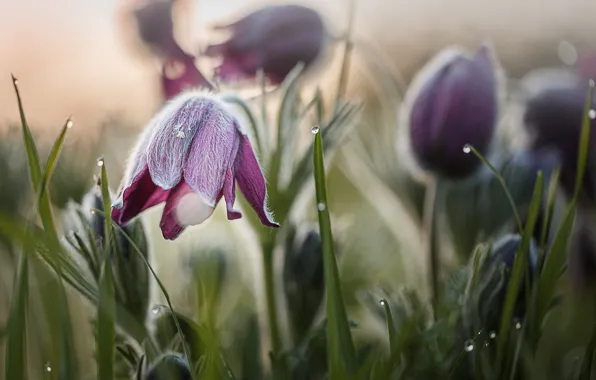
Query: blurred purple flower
[
  {"x": 189, "y": 156},
  {"x": 274, "y": 38},
  {"x": 156, "y": 28},
  {"x": 456, "y": 105},
  {"x": 554, "y": 118},
  {"x": 179, "y": 75}
]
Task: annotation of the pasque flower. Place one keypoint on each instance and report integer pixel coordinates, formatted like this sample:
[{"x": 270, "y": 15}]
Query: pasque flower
[
  {"x": 274, "y": 38},
  {"x": 453, "y": 102},
  {"x": 190, "y": 155}
]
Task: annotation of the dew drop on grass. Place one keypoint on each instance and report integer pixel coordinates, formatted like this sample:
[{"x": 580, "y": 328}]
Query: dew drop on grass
[
  {"x": 48, "y": 368},
  {"x": 492, "y": 335},
  {"x": 469, "y": 345},
  {"x": 69, "y": 124},
  {"x": 467, "y": 149},
  {"x": 100, "y": 162},
  {"x": 321, "y": 206},
  {"x": 486, "y": 344},
  {"x": 592, "y": 114},
  {"x": 382, "y": 302},
  {"x": 517, "y": 324},
  {"x": 315, "y": 129},
  {"x": 155, "y": 309}
]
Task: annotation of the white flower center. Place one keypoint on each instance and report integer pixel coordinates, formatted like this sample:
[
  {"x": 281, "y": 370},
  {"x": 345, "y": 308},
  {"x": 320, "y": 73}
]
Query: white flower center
[{"x": 192, "y": 209}]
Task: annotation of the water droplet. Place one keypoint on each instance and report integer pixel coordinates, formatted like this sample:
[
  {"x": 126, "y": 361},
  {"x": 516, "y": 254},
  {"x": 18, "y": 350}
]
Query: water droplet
[
  {"x": 486, "y": 344},
  {"x": 517, "y": 324},
  {"x": 48, "y": 368},
  {"x": 467, "y": 149},
  {"x": 155, "y": 309},
  {"x": 469, "y": 345},
  {"x": 100, "y": 162},
  {"x": 16, "y": 81},
  {"x": 69, "y": 124},
  {"x": 492, "y": 335},
  {"x": 315, "y": 129},
  {"x": 321, "y": 206},
  {"x": 382, "y": 302},
  {"x": 180, "y": 134},
  {"x": 92, "y": 211},
  {"x": 592, "y": 114}
]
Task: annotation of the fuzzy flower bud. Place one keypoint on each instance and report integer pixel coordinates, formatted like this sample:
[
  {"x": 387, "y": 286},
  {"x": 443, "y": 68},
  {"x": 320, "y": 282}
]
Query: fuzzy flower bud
[{"x": 453, "y": 106}]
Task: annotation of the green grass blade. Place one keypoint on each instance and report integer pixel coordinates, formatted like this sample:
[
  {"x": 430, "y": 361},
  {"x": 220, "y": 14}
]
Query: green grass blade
[
  {"x": 30, "y": 147},
  {"x": 390, "y": 327},
  {"x": 340, "y": 349},
  {"x": 16, "y": 337},
  {"x": 584, "y": 143},
  {"x": 549, "y": 209},
  {"x": 586, "y": 368},
  {"x": 106, "y": 334},
  {"x": 520, "y": 265}
]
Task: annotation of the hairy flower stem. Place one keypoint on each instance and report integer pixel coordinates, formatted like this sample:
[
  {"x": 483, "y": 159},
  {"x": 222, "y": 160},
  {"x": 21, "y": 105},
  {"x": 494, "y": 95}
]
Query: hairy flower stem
[{"x": 430, "y": 235}]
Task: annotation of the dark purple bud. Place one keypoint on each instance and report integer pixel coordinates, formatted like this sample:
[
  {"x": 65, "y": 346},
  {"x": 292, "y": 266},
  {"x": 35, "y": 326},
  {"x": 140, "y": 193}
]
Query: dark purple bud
[
  {"x": 455, "y": 106},
  {"x": 179, "y": 75},
  {"x": 170, "y": 367},
  {"x": 274, "y": 38},
  {"x": 156, "y": 29},
  {"x": 554, "y": 118}
]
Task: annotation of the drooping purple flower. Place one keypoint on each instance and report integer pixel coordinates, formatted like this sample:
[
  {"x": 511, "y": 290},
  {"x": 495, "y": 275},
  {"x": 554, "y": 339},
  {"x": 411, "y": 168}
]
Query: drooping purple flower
[
  {"x": 274, "y": 38},
  {"x": 179, "y": 75},
  {"x": 456, "y": 105},
  {"x": 191, "y": 155},
  {"x": 156, "y": 28},
  {"x": 554, "y": 118}
]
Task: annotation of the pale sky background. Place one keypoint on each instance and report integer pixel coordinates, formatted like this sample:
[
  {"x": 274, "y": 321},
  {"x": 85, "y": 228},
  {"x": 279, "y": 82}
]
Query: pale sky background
[{"x": 71, "y": 57}]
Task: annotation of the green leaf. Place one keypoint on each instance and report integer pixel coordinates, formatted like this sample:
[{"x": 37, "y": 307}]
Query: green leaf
[
  {"x": 340, "y": 349},
  {"x": 520, "y": 265},
  {"x": 390, "y": 327},
  {"x": 16, "y": 337},
  {"x": 586, "y": 368},
  {"x": 106, "y": 334}
]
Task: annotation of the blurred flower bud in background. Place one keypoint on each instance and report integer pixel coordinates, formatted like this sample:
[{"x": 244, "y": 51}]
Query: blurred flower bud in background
[
  {"x": 454, "y": 104},
  {"x": 487, "y": 287},
  {"x": 156, "y": 28},
  {"x": 303, "y": 278},
  {"x": 553, "y": 117},
  {"x": 169, "y": 367},
  {"x": 274, "y": 38}
]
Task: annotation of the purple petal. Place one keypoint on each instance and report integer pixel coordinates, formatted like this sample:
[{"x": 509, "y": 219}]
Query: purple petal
[
  {"x": 211, "y": 153},
  {"x": 230, "y": 196},
  {"x": 169, "y": 146},
  {"x": 140, "y": 195},
  {"x": 251, "y": 181}
]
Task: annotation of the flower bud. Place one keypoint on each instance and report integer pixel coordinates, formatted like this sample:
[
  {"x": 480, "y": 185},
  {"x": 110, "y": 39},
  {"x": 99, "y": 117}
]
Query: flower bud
[
  {"x": 169, "y": 367},
  {"x": 453, "y": 106},
  {"x": 274, "y": 38},
  {"x": 485, "y": 300},
  {"x": 156, "y": 28}
]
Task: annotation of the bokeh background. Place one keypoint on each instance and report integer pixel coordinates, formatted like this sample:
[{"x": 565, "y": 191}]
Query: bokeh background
[{"x": 82, "y": 59}]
